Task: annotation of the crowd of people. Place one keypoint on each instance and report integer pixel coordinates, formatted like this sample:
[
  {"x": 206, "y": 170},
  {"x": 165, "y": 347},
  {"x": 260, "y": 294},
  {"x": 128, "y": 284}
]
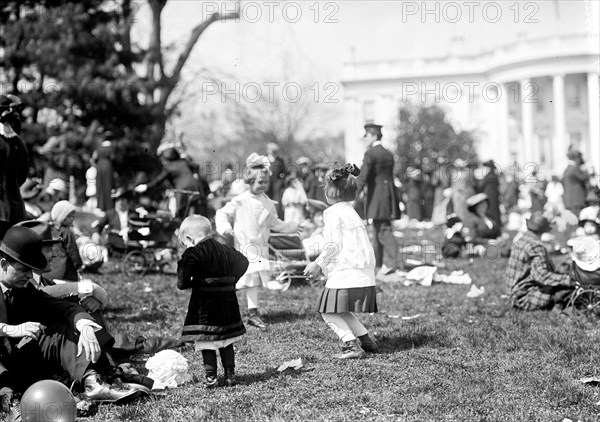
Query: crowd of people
[{"x": 225, "y": 228}]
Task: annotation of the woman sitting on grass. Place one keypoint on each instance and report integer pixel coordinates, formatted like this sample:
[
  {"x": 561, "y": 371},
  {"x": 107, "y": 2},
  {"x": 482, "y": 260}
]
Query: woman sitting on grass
[{"x": 348, "y": 261}]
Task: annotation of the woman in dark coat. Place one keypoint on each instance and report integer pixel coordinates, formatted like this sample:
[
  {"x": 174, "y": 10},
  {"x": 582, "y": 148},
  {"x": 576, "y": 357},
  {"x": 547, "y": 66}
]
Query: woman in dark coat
[
  {"x": 14, "y": 163},
  {"x": 490, "y": 185}
]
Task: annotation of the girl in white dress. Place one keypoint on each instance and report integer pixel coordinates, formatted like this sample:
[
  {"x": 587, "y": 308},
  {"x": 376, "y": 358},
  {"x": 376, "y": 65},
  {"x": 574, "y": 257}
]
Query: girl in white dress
[
  {"x": 249, "y": 218},
  {"x": 348, "y": 262}
]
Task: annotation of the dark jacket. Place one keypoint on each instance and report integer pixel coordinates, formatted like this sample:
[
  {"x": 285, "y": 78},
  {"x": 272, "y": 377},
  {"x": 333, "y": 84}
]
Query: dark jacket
[
  {"x": 14, "y": 164},
  {"x": 67, "y": 261},
  {"x": 490, "y": 185},
  {"x": 211, "y": 270},
  {"x": 574, "y": 182},
  {"x": 377, "y": 175}
]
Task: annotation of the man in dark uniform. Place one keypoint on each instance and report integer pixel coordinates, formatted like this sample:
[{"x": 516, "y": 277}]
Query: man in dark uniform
[{"x": 381, "y": 204}]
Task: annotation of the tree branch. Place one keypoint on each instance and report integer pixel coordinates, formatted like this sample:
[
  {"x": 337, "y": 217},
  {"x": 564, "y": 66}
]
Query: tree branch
[{"x": 185, "y": 54}]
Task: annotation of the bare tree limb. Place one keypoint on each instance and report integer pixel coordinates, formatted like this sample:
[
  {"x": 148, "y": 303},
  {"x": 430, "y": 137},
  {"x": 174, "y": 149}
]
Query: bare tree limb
[{"x": 185, "y": 54}]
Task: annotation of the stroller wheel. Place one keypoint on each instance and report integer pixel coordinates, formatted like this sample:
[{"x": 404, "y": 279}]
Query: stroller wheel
[{"x": 134, "y": 264}]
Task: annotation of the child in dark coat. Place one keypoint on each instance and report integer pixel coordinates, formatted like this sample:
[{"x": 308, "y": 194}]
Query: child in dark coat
[{"x": 213, "y": 320}]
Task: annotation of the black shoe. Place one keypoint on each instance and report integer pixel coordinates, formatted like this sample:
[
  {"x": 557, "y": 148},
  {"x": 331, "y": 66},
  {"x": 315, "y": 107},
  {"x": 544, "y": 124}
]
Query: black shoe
[
  {"x": 351, "y": 350},
  {"x": 210, "y": 381},
  {"x": 368, "y": 344},
  {"x": 254, "y": 319},
  {"x": 230, "y": 380},
  {"x": 98, "y": 391}
]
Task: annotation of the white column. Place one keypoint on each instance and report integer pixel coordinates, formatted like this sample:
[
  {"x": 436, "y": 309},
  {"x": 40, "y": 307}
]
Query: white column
[
  {"x": 527, "y": 121},
  {"x": 594, "y": 118},
  {"x": 503, "y": 147},
  {"x": 560, "y": 139},
  {"x": 353, "y": 121}
]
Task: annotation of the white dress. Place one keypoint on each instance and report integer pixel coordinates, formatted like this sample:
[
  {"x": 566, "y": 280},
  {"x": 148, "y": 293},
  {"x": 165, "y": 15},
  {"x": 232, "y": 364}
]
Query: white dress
[
  {"x": 347, "y": 259},
  {"x": 252, "y": 217}
]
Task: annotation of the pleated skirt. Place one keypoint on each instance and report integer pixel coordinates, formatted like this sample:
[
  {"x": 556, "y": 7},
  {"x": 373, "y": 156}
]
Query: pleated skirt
[{"x": 359, "y": 299}]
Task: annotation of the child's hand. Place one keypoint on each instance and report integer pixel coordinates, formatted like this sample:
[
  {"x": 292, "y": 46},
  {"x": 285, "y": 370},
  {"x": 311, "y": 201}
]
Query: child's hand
[{"x": 312, "y": 270}]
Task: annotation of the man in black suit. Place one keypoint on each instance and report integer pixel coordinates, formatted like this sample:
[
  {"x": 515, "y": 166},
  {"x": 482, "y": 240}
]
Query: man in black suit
[
  {"x": 381, "y": 204},
  {"x": 40, "y": 334}
]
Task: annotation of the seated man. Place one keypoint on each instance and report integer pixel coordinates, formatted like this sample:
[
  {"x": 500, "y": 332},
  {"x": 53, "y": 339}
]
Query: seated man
[
  {"x": 532, "y": 281},
  {"x": 40, "y": 334},
  {"x": 116, "y": 220}
]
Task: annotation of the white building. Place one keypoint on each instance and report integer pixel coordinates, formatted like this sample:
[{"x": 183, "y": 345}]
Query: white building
[{"x": 527, "y": 101}]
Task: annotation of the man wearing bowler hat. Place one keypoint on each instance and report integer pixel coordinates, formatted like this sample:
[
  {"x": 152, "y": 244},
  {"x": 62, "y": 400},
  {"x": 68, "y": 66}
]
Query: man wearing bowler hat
[
  {"x": 40, "y": 333},
  {"x": 381, "y": 203},
  {"x": 532, "y": 281}
]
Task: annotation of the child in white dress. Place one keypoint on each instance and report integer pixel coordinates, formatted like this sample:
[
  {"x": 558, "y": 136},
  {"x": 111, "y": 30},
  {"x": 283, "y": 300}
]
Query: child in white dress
[
  {"x": 348, "y": 262},
  {"x": 249, "y": 218}
]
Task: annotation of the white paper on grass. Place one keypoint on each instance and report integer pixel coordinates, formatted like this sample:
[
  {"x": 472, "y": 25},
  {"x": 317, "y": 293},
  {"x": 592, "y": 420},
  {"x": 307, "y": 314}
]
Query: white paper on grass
[
  {"x": 168, "y": 368},
  {"x": 475, "y": 291},
  {"x": 293, "y": 364}
]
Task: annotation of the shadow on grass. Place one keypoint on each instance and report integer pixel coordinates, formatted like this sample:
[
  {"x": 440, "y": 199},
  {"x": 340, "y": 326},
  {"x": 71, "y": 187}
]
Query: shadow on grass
[
  {"x": 276, "y": 317},
  {"x": 259, "y": 377},
  {"x": 391, "y": 344}
]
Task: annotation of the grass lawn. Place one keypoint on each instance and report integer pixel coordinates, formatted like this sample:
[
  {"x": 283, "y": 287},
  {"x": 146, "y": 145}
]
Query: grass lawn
[{"x": 462, "y": 359}]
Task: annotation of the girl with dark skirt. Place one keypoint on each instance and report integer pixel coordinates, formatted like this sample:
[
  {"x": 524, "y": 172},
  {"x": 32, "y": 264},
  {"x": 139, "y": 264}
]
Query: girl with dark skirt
[
  {"x": 348, "y": 262},
  {"x": 213, "y": 320}
]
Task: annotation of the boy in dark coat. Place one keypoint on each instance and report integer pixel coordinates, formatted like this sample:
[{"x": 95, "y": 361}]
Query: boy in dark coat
[{"x": 213, "y": 320}]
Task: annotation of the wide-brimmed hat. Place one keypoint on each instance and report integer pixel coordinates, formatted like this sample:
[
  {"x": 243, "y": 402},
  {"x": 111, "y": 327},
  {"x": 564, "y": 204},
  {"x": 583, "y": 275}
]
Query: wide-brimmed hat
[
  {"x": 30, "y": 189},
  {"x": 472, "y": 201},
  {"x": 57, "y": 185},
  {"x": 537, "y": 223},
  {"x": 586, "y": 253},
  {"x": 25, "y": 246},
  {"x": 43, "y": 229},
  {"x": 317, "y": 205},
  {"x": 591, "y": 214},
  {"x": 60, "y": 211}
]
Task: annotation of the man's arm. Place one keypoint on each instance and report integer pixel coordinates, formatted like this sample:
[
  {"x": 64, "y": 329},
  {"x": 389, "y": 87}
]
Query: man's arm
[{"x": 542, "y": 274}]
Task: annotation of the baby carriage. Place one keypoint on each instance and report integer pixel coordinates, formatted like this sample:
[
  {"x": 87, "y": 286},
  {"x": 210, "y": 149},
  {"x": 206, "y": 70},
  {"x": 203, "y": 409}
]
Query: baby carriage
[
  {"x": 150, "y": 245},
  {"x": 288, "y": 260}
]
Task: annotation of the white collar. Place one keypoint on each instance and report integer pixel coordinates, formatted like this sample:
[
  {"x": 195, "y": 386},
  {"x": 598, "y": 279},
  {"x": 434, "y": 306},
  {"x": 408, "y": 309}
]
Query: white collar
[
  {"x": 7, "y": 131},
  {"x": 36, "y": 280},
  {"x": 4, "y": 288},
  {"x": 374, "y": 144}
]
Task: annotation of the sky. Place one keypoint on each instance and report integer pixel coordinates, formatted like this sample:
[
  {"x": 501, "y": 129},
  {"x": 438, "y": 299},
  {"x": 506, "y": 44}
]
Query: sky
[{"x": 308, "y": 42}]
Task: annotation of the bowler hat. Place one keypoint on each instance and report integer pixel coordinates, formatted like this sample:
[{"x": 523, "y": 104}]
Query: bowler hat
[
  {"x": 537, "y": 223},
  {"x": 43, "y": 229},
  {"x": 25, "y": 246}
]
